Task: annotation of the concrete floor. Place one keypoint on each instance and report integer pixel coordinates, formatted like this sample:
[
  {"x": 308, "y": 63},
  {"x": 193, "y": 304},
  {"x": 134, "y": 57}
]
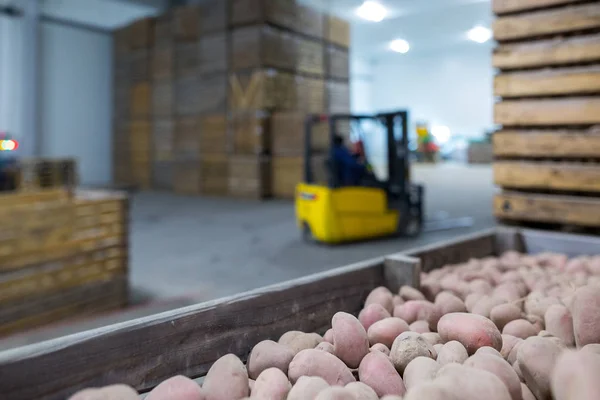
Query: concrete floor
[{"x": 186, "y": 250}]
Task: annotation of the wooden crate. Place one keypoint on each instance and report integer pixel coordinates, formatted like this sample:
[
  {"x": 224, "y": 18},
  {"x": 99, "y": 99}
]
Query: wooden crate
[
  {"x": 186, "y": 177},
  {"x": 187, "y": 56},
  {"x": 310, "y": 21},
  {"x": 337, "y": 63},
  {"x": 121, "y": 42},
  {"x": 163, "y": 63},
  {"x": 162, "y": 175},
  {"x": 163, "y": 31},
  {"x": 548, "y": 175},
  {"x": 287, "y": 172},
  {"x": 214, "y": 134},
  {"x": 162, "y": 98},
  {"x": 237, "y": 323},
  {"x": 186, "y": 142},
  {"x": 338, "y": 97},
  {"x": 212, "y": 93},
  {"x": 337, "y": 31},
  {"x": 213, "y": 53},
  {"x": 186, "y": 23},
  {"x": 140, "y": 63},
  {"x": 140, "y": 140},
  {"x": 213, "y": 16},
  {"x": 214, "y": 174},
  {"x": 248, "y": 12},
  {"x": 288, "y": 134},
  {"x": 511, "y": 6},
  {"x": 141, "y": 34},
  {"x": 553, "y": 144},
  {"x": 310, "y": 56},
  {"x": 141, "y": 100},
  {"x": 251, "y": 132},
  {"x": 311, "y": 95},
  {"x": 262, "y": 90},
  {"x": 163, "y": 138},
  {"x": 261, "y": 46},
  {"x": 548, "y": 112},
  {"x": 121, "y": 147},
  {"x": 250, "y": 177},
  {"x": 38, "y": 174}
]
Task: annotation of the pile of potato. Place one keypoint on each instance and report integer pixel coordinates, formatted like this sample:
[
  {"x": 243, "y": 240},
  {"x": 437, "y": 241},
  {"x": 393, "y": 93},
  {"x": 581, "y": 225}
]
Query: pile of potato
[{"x": 516, "y": 327}]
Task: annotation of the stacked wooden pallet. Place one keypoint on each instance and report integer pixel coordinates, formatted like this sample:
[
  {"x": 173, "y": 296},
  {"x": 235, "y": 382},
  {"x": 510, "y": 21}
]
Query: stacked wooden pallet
[
  {"x": 548, "y": 150},
  {"x": 232, "y": 83},
  {"x": 60, "y": 256}
]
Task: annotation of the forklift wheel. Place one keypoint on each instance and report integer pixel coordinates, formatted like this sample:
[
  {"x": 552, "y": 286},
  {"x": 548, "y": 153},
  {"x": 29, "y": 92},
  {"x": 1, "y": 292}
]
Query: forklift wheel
[{"x": 307, "y": 235}]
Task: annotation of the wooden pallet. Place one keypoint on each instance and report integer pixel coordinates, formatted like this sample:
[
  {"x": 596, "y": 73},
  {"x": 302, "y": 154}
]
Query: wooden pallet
[{"x": 192, "y": 338}]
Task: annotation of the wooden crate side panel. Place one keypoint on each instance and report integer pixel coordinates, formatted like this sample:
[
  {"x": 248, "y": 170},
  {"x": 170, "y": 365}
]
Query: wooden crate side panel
[
  {"x": 250, "y": 177},
  {"x": 548, "y": 175},
  {"x": 548, "y": 112},
  {"x": 213, "y": 53},
  {"x": 310, "y": 57},
  {"x": 214, "y": 134},
  {"x": 549, "y": 144},
  {"x": 548, "y": 53},
  {"x": 186, "y": 23},
  {"x": 176, "y": 340},
  {"x": 337, "y": 31},
  {"x": 509, "y": 6},
  {"x": 570, "y": 210},
  {"x": 251, "y": 133},
  {"x": 566, "y": 81},
  {"x": 539, "y": 23}
]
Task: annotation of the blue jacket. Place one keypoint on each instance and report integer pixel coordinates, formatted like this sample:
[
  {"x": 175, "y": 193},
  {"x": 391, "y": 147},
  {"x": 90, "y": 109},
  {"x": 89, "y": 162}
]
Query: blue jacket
[{"x": 349, "y": 170}]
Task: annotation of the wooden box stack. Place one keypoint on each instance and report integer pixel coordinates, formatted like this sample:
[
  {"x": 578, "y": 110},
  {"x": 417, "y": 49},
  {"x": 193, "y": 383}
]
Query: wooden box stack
[
  {"x": 547, "y": 154},
  {"x": 232, "y": 84}
]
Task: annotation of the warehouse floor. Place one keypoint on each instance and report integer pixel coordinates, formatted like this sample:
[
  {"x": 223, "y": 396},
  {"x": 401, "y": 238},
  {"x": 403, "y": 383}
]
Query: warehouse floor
[{"x": 189, "y": 249}]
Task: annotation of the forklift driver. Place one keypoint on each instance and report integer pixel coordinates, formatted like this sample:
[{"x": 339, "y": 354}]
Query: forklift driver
[{"x": 350, "y": 171}]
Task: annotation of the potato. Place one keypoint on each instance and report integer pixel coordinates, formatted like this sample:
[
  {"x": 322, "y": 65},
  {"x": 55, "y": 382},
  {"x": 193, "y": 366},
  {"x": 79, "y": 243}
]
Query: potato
[
  {"x": 377, "y": 371},
  {"x": 328, "y": 337},
  {"x": 480, "y": 286},
  {"x": 228, "y": 369},
  {"x": 113, "y": 392},
  {"x": 380, "y": 347},
  {"x": 586, "y": 315},
  {"x": 335, "y": 393},
  {"x": 447, "y": 303},
  {"x": 472, "y": 331},
  {"x": 576, "y": 376},
  {"x": 362, "y": 391},
  {"x": 381, "y": 296},
  {"x": 502, "y": 314},
  {"x": 410, "y": 293},
  {"x": 391, "y": 397},
  {"x": 520, "y": 328},
  {"x": 430, "y": 289},
  {"x": 536, "y": 357},
  {"x": 593, "y": 347},
  {"x": 349, "y": 338},
  {"x": 485, "y": 305},
  {"x": 418, "y": 371},
  {"x": 313, "y": 362},
  {"x": 490, "y": 351},
  {"x": 499, "y": 367},
  {"x": 386, "y": 330},
  {"x": 267, "y": 354},
  {"x": 471, "y": 300},
  {"x": 508, "y": 342},
  {"x": 177, "y": 388},
  {"x": 432, "y": 338},
  {"x": 559, "y": 323},
  {"x": 407, "y": 347},
  {"x": 512, "y": 356},
  {"x": 510, "y": 293},
  {"x": 307, "y": 388},
  {"x": 371, "y": 314},
  {"x": 537, "y": 322},
  {"x": 537, "y": 303},
  {"x": 420, "y": 327},
  {"x": 326, "y": 346},
  {"x": 438, "y": 348},
  {"x": 251, "y": 384},
  {"x": 271, "y": 384},
  {"x": 471, "y": 383},
  {"x": 517, "y": 369},
  {"x": 397, "y": 300},
  {"x": 526, "y": 393},
  {"x": 432, "y": 391},
  {"x": 415, "y": 310},
  {"x": 287, "y": 337},
  {"x": 452, "y": 352},
  {"x": 305, "y": 341}
]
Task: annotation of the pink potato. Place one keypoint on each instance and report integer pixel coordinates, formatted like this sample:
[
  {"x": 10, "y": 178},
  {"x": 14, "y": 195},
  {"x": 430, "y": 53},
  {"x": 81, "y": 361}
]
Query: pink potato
[
  {"x": 328, "y": 337},
  {"x": 499, "y": 367},
  {"x": 537, "y": 303},
  {"x": 430, "y": 289},
  {"x": 472, "y": 331},
  {"x": 326, "y": 346},
  {"x": 336, "y": 393},
  {"x": 586, "y": 315},
  {"x": 410, "y": 293},
  {"x": 381, "y": 348},
  {"x": 349, "y": 338},
  {"x": 319, "y": 363},
  {"x": 489, "y": 351},
  {"x": 593, "y": 347},
  {"x": 420, "y": 327},
  {"x": 381, "y": 296},
  {"x": 177, "y": 388},
  {"x": 471, "y": 300},
  {"x": 432, "y": 391},
  {"x": 397, "y": 300},
  {"x": 304, "y": 341},
  {"x": 576, "y": 376},
  {"x": 415, "y": 310},
  {"x": 472, "y": 383},
  {"x": 526, "y": 393},
  {"x": 386, "y": 330},
  {"x": 362, "y": 391},
  {"x": 502, "y": 314},
  {"x": 371, "y": 314},
  {"x": 267, "y": 354},
  {"x": 559, "y": 323},
  {"x": 407, "y": 347},
  {"x": 520, "y": 328},
  {"x": 485, "y": 305},
  {"x": 447, "y": 303},
  {"x": 112, "y": 392},
  {"x": 288, "y": 337},
  {"x": 452, "y": 352},
  {"x": 228, "y": 369},
  {"x": 432, "y": 337},
  {"x": 307, "y": 388},
  {"x": 377, "y": 371},
  {"x": 418, "y": 371},
  {"x": 271, "y": 384},
  {"x": 508, "y": 342},
  {"x": 536, "y": 358}
]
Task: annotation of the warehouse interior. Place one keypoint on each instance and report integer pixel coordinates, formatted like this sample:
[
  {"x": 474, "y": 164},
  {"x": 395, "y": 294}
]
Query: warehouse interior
[{"x": 159, "y": 154}]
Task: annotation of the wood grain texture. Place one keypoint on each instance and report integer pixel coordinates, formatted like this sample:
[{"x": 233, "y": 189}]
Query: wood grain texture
[
  {"x": 564, "y": 176},
  {"x": 510, "y": 6},
  {"x": 400, "y": 270},
  {"x": 187, "y": 341},
  {"x": 548, "y": 112},
  {"x": 541, "y": 23},
  {"x": 547, "y": 53},
  {"x": 454, "y": 251},
  {"x": 565, "y": 143},
  {"x": 572, "y": 210},
  {"x": 552, "y": 82}
]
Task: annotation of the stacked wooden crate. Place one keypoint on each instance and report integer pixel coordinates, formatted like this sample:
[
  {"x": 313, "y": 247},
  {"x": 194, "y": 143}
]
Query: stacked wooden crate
[{"x": 548, "y": 150}]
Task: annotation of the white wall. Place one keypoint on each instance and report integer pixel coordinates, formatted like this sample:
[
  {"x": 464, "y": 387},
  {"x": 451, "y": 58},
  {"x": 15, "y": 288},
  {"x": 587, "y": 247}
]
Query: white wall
[
  {"x": 451, "y": 88},
  {"x": 361, "y": 82},
  {"x": 76, "y": 97},
  {"x": 11, "y": 61}
]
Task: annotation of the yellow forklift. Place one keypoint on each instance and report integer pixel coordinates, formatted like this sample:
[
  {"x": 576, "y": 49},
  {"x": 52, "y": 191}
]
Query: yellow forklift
[{"x": 333, "y": 211}]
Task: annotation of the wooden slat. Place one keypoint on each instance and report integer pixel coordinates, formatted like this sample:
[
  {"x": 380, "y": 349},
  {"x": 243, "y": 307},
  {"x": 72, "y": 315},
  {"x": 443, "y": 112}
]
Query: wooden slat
[
  {"x": 546, "y": 53},
  {"x": 551, "y": 82},
  {"x": 544, "y": 143},
  {"x": 548, "y": 175},
  {"x": 510, "y": 6},
  {"x": 541, "y": 23},
  {"x": 548, "y": 112},
  {"x": 570, "y": 210},
  {"x": 187, "y": 341}
]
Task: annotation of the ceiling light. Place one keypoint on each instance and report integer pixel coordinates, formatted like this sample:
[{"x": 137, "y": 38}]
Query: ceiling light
[
  {"x": 371, "y": 11},
  {"x": 400, "y": 46},
  {"x": 479, "y": 34},
  {"x": 441, "y": 133}
]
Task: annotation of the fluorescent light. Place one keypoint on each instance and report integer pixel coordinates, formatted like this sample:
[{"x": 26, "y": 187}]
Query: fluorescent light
[
  {"x": 371, "y": 11},
  {"x": 400, "y": 46},
  {"x": 441, "y": 133},
  {"x": 479, "y": 34}
]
